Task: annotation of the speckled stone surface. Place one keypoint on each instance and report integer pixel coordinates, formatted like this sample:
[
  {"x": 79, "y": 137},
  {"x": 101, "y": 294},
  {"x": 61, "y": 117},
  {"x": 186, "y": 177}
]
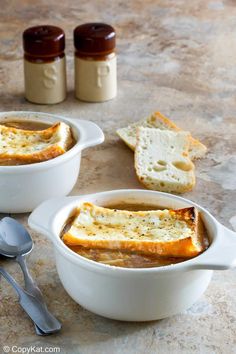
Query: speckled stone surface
[{"x": 174, "y": 56}]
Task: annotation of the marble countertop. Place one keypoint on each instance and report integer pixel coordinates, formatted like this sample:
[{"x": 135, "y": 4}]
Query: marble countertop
[{"x": 177, "y": 57}]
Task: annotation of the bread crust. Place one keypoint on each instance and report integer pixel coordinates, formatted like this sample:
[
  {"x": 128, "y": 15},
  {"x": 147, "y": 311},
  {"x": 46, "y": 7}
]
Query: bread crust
[
  {"x": 188, "y": 247},
  {"x": 196, "y": 149},
  {"x": 183, "y": 248},
  {"x": 46, "y": 153}
]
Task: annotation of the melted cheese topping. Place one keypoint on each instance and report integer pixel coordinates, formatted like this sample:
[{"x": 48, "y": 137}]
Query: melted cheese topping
[
  {"x": 28, "y": 146},
  {"x": 99, "y": 223},
  {"x": 13, "y": 140}
]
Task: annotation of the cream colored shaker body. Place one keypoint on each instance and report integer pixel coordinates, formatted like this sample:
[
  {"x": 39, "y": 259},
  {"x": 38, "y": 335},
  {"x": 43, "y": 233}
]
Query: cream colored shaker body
[
  {"x": 95, "y": 62},
  {"x": 44, "y": 64}
]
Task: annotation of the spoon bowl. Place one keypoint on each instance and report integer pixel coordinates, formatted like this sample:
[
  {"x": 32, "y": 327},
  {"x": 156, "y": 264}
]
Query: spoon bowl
[{"x": 14, "y": 238}]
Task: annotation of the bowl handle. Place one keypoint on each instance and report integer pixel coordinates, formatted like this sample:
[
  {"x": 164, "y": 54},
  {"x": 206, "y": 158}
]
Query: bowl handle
[
  {"x": 221, "y": 255},
  {"x": 90, "y": 133},
  {"x": 41, "y": 218}
]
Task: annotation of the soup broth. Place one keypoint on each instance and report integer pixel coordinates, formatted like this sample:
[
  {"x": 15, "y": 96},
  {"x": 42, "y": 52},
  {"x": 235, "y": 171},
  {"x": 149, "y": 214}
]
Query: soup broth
[
  {"x": 133, "y": 207},
  {"x": 26, "y": 125},
  {"x": 121, "y": 258}
]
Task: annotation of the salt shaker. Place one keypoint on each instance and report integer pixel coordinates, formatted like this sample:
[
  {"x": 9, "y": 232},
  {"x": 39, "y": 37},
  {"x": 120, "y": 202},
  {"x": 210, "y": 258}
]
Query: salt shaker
[
  {"x": 44, "y": 64},
  {"x": 95, "y": 62}
]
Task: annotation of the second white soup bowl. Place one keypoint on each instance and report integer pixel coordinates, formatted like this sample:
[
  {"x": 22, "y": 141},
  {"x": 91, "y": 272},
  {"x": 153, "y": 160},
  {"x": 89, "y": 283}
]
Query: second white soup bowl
[{"x": 24, "y": 187}]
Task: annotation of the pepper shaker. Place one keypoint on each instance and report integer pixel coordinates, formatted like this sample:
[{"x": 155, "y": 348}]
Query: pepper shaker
[
  {"x": 44, "y": 64},
  {"x": 95, "y": 62}
]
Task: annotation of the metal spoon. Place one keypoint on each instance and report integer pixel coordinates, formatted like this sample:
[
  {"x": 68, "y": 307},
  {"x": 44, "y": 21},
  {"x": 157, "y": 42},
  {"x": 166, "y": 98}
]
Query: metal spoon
[
  {"x": 4, "y": 250},
  {"x": 32, "y": 306},
  {"x": 15, "y": 241}
]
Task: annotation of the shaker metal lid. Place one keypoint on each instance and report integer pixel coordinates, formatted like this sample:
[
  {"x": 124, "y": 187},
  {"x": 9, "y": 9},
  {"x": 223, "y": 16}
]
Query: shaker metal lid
[
  {"x": 94, "y": 38},
  {"x": 44, "y": 40}
]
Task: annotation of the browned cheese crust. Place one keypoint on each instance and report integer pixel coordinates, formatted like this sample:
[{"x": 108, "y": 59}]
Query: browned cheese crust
[
  {"x": 187, "y": 248},
  {"x": 44, "y": 154}
]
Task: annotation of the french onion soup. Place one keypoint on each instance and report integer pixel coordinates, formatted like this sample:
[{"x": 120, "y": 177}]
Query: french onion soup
[
  {"x": 135, "y": 235},
  {"x": 25, "y": 142}
]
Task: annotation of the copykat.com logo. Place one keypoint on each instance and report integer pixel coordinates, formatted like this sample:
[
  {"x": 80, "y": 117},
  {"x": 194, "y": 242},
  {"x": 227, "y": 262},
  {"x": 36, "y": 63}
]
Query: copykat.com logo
[{"x": 30, "y": 349}]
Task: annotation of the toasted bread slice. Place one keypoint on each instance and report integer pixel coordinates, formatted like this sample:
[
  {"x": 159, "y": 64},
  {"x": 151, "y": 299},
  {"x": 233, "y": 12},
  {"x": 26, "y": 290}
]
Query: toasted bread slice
[
  {"x": 162, "y": 162},
  {"x": 27, "y": 146},
  {"x": 157, "y": 120},
  {"x": 170, "y": 233}
]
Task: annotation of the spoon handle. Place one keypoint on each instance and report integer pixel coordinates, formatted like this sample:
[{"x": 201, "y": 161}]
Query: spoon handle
[
  {"x": 46, "y": 322},
  {"x": 30, "y": 285}
]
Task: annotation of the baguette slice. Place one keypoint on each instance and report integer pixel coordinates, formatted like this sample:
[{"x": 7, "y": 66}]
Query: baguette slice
[
  {"x": 170, "y": 233},
  {"x": 157, "y": 120},
  {"x": 27, "y": 146},
  {"x": 162, "y": 161}
]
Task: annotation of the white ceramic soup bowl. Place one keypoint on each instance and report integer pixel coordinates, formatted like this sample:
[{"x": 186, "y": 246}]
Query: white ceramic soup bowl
[
  {"x": 24, "y": 187},
  {"x": 133, "y": 294}
]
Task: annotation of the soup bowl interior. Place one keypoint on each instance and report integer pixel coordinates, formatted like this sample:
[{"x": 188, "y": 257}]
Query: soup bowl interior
[
  {"x": 37, "y": 117},
  {"x": 136, "y": 198}
]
